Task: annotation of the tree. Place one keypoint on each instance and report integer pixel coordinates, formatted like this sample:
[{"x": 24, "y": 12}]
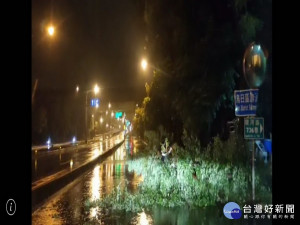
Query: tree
[{"x": 200, "y": 45}]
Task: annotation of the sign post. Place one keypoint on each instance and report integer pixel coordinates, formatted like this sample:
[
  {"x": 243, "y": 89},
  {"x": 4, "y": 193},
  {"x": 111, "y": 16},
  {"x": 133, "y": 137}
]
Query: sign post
[
  {"x": 254, "y": 69},
  {"x": 253, "y": 129},
  {"x": 246, "y": 105}
]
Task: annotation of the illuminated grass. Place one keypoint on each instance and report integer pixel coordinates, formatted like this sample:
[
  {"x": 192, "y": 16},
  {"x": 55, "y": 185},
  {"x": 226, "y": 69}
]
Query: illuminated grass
[{"x": 184, "y": 183}]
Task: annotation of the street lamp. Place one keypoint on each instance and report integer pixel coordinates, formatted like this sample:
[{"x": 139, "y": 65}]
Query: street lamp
[
  {"x": 50, "y": 30},
  {"x": 96, "y": 91},
  {"x": 144, "y": 65}
]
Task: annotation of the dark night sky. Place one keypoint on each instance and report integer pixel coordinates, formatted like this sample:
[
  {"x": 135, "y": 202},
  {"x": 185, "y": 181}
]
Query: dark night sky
[{"x": 95, "y": 41}]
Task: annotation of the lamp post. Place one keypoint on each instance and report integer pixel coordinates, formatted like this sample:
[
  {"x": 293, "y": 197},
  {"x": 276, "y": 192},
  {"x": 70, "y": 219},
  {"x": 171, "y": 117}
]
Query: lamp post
[
  {"x": 109, "y": 106},
  {"x": 95, "y": 90}
]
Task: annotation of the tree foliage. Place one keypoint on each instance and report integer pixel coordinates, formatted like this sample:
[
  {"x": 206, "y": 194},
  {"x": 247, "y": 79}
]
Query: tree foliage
[{"x": 197, "y": 48}]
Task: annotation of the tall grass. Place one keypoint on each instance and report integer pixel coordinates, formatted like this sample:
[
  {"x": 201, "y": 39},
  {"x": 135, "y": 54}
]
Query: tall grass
[{"x": 192, "y": 176}]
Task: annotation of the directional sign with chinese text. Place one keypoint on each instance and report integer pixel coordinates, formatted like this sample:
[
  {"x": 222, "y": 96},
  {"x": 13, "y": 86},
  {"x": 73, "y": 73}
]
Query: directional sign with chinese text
[
  {"x": 95, "y": 102},
  {"x": 245, "y": 102},
  {"x": 254, "y": 128}
]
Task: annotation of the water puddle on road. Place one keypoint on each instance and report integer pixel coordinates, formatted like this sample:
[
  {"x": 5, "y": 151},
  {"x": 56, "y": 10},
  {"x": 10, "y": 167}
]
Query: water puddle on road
[{"x": 67, "y": 206}]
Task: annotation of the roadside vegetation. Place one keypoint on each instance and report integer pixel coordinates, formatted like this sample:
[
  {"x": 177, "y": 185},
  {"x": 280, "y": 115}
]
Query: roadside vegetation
[{"x": 192, "y": 176}]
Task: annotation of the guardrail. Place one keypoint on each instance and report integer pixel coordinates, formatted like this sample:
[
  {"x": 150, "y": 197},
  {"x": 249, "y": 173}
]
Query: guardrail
[{"x": 70, "y": 143}]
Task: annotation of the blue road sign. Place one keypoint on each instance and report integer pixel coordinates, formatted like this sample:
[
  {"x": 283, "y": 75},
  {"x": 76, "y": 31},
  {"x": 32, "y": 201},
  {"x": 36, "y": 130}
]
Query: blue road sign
[
  {"x": 95, "y": 102},
  {"x": 245, "y": 102}
]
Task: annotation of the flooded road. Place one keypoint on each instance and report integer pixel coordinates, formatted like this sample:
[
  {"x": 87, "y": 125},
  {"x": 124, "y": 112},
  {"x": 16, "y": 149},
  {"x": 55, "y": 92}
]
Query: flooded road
[{"x": 68, "y": 205}]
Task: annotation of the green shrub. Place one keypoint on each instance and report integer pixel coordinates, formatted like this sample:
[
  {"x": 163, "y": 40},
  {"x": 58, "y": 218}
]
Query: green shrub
[{"x": 219, "y": 175}]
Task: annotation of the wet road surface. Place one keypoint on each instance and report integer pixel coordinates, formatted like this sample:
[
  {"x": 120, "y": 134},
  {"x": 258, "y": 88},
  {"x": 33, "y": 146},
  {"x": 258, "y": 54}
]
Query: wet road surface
[{"x": 45, "y": 164}]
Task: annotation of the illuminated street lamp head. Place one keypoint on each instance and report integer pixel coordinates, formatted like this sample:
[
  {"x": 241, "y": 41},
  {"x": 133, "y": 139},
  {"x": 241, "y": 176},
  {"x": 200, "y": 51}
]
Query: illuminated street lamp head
[
  {"x": 144, "y": 64},
  {"x": 77, "y": 88},
  {"x": 109, "y": 105},
  {"x": 96, "y": 89},
  {"x": 51, "y": 30}
]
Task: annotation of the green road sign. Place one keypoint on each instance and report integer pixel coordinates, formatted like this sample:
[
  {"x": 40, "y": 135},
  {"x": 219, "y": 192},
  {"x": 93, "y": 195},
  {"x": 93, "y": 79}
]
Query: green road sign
[
  {"x": 254, "y": 128},
  {"x": 118, "y": 115}
]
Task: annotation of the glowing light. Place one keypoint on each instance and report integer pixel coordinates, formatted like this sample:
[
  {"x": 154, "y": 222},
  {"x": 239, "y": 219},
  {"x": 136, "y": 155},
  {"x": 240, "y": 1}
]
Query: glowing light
[
  {"x": 77, "y": 88},
  {"x": 112, "y": 114},
  {"x": 74, "y": 140},
  {"x": 51, "y": 30},
  {"x": 256, "y": 60},
  {"x": 95, "y": 184},
  {"x": 35, "y": 165},
  {"x": 49, "y": 143},
  {"x": 101, "y": 120},
  {"x": 96, "y": 89},
  {"x": 258, "y": 47},
  {"x": 96, "y": 153},
  {"x": 101, "y": 147},
  {"x": 71, "y": 163},
  {"x": 106, "y": 112},
  {"x": 142, "y": 219},
  {"x": 93, "y": 212},
  {"x": 109, "y": 105},
  {"x": 144, "y": 64}
]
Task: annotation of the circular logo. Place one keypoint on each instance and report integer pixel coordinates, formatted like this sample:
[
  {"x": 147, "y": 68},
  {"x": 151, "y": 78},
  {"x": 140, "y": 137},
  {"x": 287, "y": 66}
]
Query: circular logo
[
  {"x": 10, "y": 207},
  {"x": 232, "y": 210}
]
